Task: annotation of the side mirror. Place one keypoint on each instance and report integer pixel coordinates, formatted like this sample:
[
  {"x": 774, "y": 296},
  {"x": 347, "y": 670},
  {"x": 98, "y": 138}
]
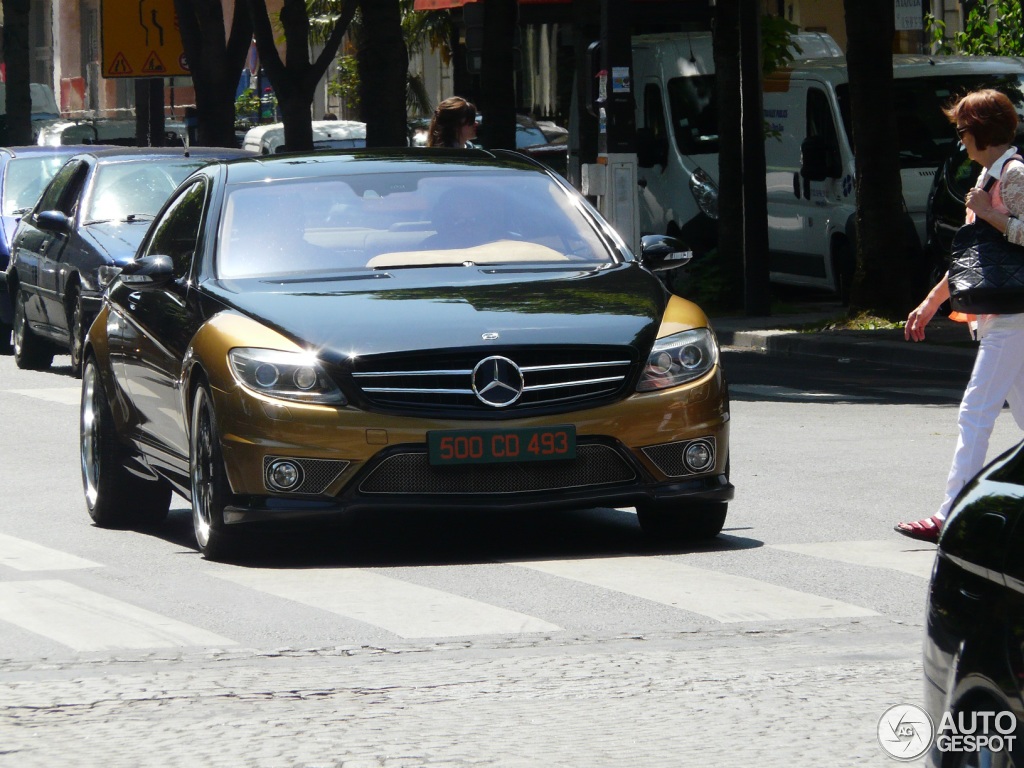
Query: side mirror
[
  {"x": 650, "y": 150},
  {"x": 149, "y": 270},
  {"x": 818, "y": 160},
  {"x": 53, "y": 221},
  {"x": 660, "y": 253}
]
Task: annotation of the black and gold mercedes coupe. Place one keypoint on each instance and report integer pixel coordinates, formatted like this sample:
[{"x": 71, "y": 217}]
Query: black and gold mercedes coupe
[{"x": 302, "y": 336}]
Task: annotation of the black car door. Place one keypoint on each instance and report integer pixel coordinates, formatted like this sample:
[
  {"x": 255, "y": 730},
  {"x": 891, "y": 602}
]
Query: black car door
[
  {"x": 160, "y": 321},
  {"x": 37, "y": 244}
]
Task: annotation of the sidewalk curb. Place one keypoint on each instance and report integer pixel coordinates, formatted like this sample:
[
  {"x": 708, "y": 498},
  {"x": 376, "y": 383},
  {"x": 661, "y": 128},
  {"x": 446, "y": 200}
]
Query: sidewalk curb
[{"x": 851, "y": 346}]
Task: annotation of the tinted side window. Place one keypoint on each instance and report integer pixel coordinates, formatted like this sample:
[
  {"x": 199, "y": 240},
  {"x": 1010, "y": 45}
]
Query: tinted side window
[
  {"x": 176, "y": 234},
  {"x": 694, "y": 105},
  {"x": 51, "y": 198}
]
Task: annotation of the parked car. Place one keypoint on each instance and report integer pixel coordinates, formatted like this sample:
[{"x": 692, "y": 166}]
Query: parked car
[
  {"x": 89, "y": 220},
  {"x": 974, "y": 642},
  {"x": 44, "y": 109},
  {"x": 327, "y": 134},
  {"x": 24, "y": 172},
  {"x": 407, "y": 329},
  {"x": 121, "y": 133}
]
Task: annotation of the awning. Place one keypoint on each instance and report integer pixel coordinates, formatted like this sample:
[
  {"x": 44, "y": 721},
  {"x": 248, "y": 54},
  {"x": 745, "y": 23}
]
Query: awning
[{"x": 441, "y": 5}]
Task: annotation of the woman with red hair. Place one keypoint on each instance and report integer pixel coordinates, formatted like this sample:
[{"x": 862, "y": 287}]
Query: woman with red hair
[{"x": 986, "y": 123}]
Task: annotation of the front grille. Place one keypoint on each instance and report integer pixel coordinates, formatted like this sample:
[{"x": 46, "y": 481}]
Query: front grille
[
  {"x": 411, "y": 473},
  {"x": 317, "y": 474},
  {"x": 552, "y": 376}
]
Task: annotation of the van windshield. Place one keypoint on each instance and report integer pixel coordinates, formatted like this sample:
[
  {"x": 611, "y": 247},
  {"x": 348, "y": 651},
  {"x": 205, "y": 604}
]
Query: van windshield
[
  {"x": 925, "y": 136},
  {"x": 694, "y": 107}
]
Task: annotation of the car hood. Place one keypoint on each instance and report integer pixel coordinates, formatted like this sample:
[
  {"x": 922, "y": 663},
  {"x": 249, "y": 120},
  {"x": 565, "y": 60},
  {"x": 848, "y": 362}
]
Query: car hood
[
  {"x": 116, "y": 241},
  {"x": 453, "y": 307}
]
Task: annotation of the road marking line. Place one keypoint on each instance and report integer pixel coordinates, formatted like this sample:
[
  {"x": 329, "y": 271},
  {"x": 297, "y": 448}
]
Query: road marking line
[
  {"x": 88, "y": 621},
  {"x": 29, "y": 556},
  {"x": 62, "y": 395},
  {"x": 717, "y": 595},
  {"x": 408, "y": 610},
  {"x": 895, "y": 553}
]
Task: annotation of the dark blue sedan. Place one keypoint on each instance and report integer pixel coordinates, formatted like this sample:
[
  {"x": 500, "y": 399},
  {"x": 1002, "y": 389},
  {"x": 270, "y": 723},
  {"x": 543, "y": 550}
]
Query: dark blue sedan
[
  {"x": 24, "y": 173},
  {"x": 86, "y": 225}
]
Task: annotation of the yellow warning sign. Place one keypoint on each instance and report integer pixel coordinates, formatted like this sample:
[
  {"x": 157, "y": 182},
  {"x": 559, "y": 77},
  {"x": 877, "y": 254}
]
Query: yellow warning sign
[
  {"x": 120, "y": 66},
  {"x": 153, "y": 65},
  {"x": 139, "y": 36}
]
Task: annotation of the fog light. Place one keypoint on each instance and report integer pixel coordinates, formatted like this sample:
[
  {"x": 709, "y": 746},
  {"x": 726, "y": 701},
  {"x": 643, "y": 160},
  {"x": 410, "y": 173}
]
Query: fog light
[
  {"x": 284, "y": 475},
  {"x": 698, "y": 456}
]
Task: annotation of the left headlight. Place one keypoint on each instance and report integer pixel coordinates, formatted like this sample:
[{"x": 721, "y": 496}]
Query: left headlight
[
  {"x": 679, "y": 358},
  {"x": 285, "y": 375}
]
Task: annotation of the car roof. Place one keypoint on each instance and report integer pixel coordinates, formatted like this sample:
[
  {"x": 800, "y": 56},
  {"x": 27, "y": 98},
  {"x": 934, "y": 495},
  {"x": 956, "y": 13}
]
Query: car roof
[
  {"x": 357, "y": 161},
  {"x": 67, "y": 150},
  {"x": 125, "y": 154}
]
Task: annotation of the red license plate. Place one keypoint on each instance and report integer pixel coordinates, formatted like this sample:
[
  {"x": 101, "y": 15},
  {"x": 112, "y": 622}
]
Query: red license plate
[{"x": 491, "y": 446}]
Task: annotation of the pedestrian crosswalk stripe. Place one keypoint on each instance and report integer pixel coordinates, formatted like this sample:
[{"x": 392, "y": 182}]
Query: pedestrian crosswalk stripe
[
  {"x": 88, "y": 621},
  {"x": 408, "y": 610},
  {"x": 771, "y": 390},
  {"x": 717, "y": 595},
  {"x": 895, "y": 553},
  {"x": 62, "y": 395},
  {"x": 28, "y": 556}
]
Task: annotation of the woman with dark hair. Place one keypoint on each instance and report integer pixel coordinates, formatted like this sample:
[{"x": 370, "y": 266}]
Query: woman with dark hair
[
  {"x": 453, "y": 124},
  {"x": 986, "y": 122}
]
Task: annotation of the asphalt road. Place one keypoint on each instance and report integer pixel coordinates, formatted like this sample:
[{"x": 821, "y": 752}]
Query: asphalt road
[{"x": 486, "y": 639}]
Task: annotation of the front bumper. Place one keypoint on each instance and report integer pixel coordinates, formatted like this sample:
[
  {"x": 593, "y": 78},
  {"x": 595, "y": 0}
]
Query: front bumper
[{"x": 627, "y": 454}]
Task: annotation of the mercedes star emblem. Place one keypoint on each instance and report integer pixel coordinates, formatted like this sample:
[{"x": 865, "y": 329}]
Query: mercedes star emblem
[{"x": 497, "y": 381}]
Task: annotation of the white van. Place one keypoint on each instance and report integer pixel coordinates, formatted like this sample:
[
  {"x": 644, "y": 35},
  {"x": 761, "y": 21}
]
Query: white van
[
  {"x": 811, "y": 203},
  {"x": 327, "y": 134}
]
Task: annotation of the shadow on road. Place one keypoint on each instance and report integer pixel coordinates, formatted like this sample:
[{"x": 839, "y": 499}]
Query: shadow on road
[{"x": 408, "y": 538}]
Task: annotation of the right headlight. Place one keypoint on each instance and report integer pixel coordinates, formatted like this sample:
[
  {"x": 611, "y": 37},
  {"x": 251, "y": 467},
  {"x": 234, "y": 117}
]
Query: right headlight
[
  {"x": 285, "y": 375},
  {"x": 679, "y": 358},
  {"x": 705, "y": 192}
]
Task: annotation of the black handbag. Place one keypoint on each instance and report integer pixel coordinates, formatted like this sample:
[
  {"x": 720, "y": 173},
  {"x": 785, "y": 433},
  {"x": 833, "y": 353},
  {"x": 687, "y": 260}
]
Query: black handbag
[{"x": 986, "y": 271}]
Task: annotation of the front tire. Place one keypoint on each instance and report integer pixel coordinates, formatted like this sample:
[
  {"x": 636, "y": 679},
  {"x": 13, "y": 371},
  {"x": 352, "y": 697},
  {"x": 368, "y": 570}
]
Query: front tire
[
  {"x": 114, "y": 496},
  {"x": 30, "y": 352},
  {"x": 682, "y": 520},
  {"x": 77, "y": 342},
  {"x": 210, "y": 491}
]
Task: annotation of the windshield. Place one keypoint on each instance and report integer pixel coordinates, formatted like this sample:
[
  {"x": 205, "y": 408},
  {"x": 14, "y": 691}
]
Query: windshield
[
  {"x": 25, "y": 179},
  {"x": 694, "y": 108},
  {"x": 136, "y": 189},
  {"x": 925, "y": 136},
  {"x": 398, "y": 220}
]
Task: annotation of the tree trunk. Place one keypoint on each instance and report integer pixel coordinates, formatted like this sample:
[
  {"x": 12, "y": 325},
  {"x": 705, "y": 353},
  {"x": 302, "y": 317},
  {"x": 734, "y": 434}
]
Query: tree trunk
[
  {"x": 18, "y": 120},
  {"x": 215, "y": 65},
  {"x": 730, "y": 153},
  {"x": 883, "y": 279},
  {"x": 295, "y": 78},
  {"x": 383, "y": 73},
  {"x": 497, "y": 82}
]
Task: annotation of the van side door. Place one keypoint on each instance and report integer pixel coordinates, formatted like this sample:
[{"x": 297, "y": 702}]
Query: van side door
[{"x": 810, "y": 195}]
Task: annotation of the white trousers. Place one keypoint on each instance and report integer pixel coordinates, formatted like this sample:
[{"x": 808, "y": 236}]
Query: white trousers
[{"x": 998, "y": 377}]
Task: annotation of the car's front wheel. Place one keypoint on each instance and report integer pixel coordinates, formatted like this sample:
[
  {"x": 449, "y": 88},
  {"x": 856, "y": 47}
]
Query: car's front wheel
[
  {"x": 210, "y": 491},
  {"x": 30, "y": 352},
  {"x": 78, "y": 330},
  {"x": 115, "y": 497},
  {"x": 682, "y": 520}
]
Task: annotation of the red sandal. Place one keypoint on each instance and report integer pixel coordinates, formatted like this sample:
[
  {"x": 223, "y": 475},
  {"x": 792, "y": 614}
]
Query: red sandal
[{"x": 922, "y": 530}]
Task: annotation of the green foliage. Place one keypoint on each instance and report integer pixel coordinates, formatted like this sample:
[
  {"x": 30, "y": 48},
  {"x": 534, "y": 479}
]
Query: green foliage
[
  {"x": 346, "y": 86},
  {"x": 705, "y": 281},
  {"x": 991, "y": 29},
  {"x": 775, "y": 42}
]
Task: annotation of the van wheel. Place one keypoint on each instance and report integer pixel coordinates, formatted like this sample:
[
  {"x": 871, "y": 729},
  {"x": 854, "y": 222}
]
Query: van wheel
[{"x": 844, "y": 264}]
